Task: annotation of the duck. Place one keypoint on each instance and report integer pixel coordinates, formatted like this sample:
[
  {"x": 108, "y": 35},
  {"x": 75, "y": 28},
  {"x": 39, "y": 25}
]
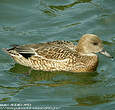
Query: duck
[{"x": 60, "y": 55}]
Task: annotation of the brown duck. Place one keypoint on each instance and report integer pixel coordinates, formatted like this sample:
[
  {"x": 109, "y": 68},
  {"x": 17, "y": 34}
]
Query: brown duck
[{"x": 60, "y": 55}]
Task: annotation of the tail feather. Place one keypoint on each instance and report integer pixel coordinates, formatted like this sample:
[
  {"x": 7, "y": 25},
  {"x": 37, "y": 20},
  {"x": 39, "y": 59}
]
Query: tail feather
[
  {"x": 19, "y": 58},
  {"x": 8, "y": 49},
  {"x": 17, "y": 50}
]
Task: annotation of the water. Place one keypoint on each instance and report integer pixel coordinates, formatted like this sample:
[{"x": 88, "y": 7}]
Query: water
[{"x": 34, "y": 21}]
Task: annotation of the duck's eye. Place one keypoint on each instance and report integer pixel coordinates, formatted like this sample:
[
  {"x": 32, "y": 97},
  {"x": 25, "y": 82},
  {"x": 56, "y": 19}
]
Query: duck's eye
[{"x": 95, "y": 43}]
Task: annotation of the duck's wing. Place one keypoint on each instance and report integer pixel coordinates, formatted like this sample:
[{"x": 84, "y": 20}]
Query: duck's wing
[
  {"x": 54, "y": 52},
  {"x": 44, "y": 50}
]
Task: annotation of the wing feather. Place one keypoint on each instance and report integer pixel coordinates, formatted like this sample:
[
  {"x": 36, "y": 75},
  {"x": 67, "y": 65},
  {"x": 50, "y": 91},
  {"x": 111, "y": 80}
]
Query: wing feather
[{"x": 56, "y": 50}]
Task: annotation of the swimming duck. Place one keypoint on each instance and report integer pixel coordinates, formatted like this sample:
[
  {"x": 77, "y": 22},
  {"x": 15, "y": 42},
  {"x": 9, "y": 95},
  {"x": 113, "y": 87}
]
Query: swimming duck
[{"x": 60, "y": 55}]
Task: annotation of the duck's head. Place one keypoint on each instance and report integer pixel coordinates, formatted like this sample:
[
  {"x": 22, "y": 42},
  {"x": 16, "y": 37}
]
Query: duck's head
[{"x": 90, "y": 44}]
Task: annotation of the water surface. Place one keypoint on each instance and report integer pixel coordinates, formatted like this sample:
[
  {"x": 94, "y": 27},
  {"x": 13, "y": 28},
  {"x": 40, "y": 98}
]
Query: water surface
[{"x": 35, "y": 21}]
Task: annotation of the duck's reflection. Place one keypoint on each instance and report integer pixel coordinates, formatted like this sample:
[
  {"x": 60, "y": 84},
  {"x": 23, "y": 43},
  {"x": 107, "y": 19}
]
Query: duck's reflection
[
  {"x": 57, "y": 77},
  {"x": 81, "y": 83}
]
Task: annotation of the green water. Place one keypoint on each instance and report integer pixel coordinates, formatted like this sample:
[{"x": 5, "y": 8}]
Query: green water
[{"x": 35, "y": 21}]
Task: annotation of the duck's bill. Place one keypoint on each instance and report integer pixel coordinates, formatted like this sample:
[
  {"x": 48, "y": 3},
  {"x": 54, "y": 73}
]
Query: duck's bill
[{"x": 106, "y": 53}]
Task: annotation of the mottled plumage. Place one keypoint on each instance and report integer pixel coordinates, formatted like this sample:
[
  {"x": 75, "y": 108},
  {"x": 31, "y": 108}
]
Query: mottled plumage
[{"x": 60, "y": 55}]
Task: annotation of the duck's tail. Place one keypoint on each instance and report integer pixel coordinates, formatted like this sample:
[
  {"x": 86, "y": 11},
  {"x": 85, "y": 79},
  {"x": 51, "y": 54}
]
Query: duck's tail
[
  {"x": 10, "y": 51},
  {"x": 19, "y": 58}
]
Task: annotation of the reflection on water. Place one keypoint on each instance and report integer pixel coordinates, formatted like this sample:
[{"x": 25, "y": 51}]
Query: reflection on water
[
  {"x": 69, "y": 5},
  {"x": 34, "y": 21},
  {"x": 59, "y": 79}
]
